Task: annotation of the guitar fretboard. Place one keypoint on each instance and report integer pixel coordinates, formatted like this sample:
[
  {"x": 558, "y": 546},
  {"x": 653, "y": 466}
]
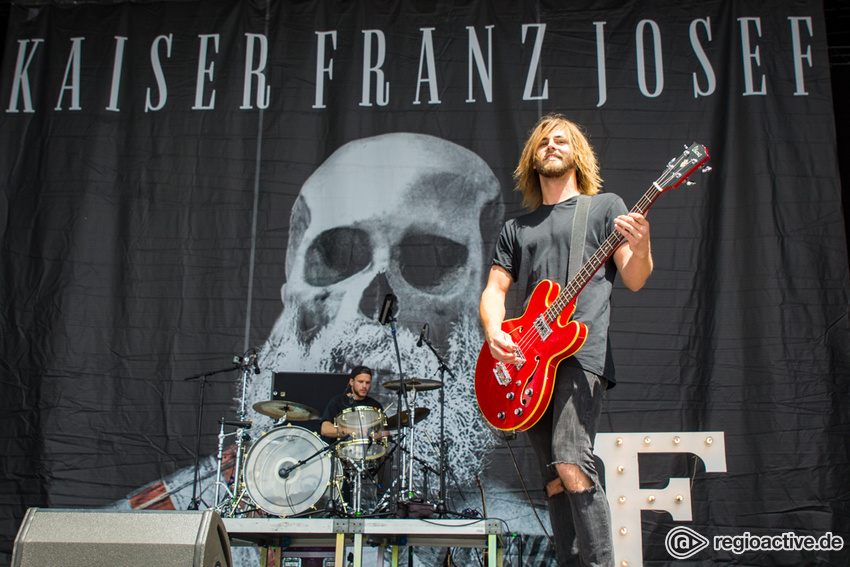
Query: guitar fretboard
[
  {"x": 692, "y": 158},
  {"x": 595, "y": 262}
]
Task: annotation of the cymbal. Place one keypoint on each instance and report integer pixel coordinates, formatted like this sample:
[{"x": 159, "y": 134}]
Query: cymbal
[
  {"x": 292, "y": 410},
  {"x": 418, "y": 415},
  {"x": 413, "y": 384}
]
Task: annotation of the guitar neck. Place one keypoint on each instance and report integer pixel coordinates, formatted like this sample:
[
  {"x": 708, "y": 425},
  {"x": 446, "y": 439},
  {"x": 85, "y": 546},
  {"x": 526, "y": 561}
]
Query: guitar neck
[
  {"x": 677, "y": 172},
  {"x": 574, "y": 287}
]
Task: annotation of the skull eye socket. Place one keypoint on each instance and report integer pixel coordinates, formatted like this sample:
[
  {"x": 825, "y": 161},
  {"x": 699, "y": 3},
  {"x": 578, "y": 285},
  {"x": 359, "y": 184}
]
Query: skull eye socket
[
  {"x": 430, "y": 262},
  {"x": 335, "y": 255}
]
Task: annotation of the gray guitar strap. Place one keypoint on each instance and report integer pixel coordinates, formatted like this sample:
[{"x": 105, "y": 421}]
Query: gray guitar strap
[{"x": 578, "y": 236}]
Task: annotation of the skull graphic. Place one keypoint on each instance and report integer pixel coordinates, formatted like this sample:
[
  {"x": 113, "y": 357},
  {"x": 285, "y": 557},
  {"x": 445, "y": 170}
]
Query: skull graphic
[{"x": 398, "y": 213}]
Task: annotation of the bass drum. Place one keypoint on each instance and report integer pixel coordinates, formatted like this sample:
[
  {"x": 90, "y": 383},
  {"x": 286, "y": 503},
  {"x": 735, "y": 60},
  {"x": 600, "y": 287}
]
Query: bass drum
[{"x": 274, "y": 479}]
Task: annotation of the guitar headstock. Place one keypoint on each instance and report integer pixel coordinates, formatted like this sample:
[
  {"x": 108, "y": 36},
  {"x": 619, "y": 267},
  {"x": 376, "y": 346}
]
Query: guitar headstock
[{"x": 680, "y": 168}]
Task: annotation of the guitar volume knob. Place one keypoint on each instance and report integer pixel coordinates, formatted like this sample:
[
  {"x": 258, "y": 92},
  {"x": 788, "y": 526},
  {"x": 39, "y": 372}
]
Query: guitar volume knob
[
  {"x": 518, "y": 411},
  {"x": 510, "y": 395},
  {"x": 529, "y": 392},
  {"x": 501, "y": 415}
]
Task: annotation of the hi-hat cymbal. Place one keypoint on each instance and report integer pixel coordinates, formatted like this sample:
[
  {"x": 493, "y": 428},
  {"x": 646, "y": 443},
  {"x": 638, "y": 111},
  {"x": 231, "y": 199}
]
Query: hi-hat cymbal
[
  {"x": 419, "y": 384},
  {"x": 292, "y": 410},
  {"x": 418, "y": 415}
]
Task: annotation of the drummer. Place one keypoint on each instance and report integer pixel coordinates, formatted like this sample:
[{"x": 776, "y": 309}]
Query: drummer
[{"x": 356, "y": 394}]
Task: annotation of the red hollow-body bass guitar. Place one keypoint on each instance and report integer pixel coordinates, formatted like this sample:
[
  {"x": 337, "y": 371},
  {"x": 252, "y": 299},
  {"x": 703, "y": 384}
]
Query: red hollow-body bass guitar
[{"x": 513, "y": 397}]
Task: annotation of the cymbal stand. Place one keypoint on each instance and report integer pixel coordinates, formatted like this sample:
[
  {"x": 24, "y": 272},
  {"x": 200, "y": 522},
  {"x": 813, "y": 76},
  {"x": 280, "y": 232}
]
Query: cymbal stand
[
  {"x": 410, "y": 438},
  {"x": 194, "y": 504},
  {"x": 443, "y": 369},
  {"x": 219, "y": 456},
  {"x": 228, "y": 510},
  {"x": 247, "y": 364}
]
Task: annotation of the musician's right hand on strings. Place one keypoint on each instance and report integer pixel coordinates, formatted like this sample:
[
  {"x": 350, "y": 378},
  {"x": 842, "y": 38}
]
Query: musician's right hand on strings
[{"x": 502, "y": 347}]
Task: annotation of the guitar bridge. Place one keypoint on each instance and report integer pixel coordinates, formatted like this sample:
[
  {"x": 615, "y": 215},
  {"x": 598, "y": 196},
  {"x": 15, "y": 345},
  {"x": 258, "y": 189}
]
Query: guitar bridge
[
  {"x": 503, "y": 377},
  {"x": 541, "y": 325}
]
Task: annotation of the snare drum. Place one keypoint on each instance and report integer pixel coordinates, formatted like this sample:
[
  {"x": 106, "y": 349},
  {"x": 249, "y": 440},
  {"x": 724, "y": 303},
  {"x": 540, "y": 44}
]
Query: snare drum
[
  {"x": 367, "y": 440},
  {"x": 274, "y": 479}
]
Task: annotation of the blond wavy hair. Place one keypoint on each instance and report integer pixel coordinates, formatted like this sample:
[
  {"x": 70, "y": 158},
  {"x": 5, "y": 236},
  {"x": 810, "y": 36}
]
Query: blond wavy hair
[{"x": 587, "y": 167}]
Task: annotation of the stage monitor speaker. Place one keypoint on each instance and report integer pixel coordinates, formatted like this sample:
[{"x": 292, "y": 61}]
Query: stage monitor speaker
[
  {"x": 314, "y": 389},
  {"x": 105, "y": 538}
]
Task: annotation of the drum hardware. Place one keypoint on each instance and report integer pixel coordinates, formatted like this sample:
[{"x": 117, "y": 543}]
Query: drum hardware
[
  {"x": 337, "y": 498},
  {"x": 382, "y": 507},
  {"x": 356, "y": 492},
  {"x": 227, "y": 506},
  {"x": 384, "y": 502},
  {"x": 411, "y": 385},
  {"x": 408, "y": 441},
  {"x": 387, "y": 316},
  {"x": 444, "y": 369},
  {"x": 283, "y": 410},
  {"x": 245, "y": 364}
]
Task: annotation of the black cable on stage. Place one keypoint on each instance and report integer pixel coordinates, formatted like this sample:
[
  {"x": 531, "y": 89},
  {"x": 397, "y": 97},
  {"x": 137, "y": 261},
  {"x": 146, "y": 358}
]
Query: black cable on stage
[{"x": 527, "y": 495}]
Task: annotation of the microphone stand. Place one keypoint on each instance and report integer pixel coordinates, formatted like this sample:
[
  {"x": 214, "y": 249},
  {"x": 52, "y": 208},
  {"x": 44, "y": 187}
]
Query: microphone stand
[
  {"x": 441, "y": 508},
  {"x": 402, "y": 402},
  {"x": 196, "y": 499},
  {"x": 386, "y": 316}
]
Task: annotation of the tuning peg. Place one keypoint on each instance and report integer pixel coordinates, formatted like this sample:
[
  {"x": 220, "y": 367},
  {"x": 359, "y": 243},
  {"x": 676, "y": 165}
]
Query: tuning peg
[
  {"x": 706, "y": 168},
  {"x": 690, "y": 182}
]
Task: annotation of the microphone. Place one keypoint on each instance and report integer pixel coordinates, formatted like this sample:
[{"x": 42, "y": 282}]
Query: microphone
[
  {"x": 422, "y": 335},
  {"x": 387, "y": 309}
]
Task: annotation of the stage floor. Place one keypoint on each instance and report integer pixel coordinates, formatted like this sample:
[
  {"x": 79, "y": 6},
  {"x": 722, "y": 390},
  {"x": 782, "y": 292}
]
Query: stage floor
[{"x": 354, "y": 533}]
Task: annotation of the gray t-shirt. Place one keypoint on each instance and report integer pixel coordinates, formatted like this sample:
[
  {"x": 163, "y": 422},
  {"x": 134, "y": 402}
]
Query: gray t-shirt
[{"x": 536, "y": 246}]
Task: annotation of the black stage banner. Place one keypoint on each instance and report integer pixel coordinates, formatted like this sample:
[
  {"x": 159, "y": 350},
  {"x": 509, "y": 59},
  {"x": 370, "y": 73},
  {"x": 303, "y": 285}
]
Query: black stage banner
[{"x": 189, "y": 182}]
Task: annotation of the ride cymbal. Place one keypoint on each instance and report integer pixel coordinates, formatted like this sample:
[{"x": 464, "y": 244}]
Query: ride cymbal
[{"x": 419, "y": 384}]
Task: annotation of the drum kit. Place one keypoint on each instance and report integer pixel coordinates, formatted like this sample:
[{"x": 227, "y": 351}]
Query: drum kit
[{"x": 290, "y": 471}]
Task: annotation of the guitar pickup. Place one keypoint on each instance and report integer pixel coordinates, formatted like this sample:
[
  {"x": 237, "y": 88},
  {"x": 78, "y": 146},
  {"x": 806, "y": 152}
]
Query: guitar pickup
[
  {"x": 541, "y": 325},
  {"x": 520, "y": 357}
]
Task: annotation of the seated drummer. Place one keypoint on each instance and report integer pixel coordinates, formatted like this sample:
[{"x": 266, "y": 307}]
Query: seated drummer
[{"x": 356, "y": 394}]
